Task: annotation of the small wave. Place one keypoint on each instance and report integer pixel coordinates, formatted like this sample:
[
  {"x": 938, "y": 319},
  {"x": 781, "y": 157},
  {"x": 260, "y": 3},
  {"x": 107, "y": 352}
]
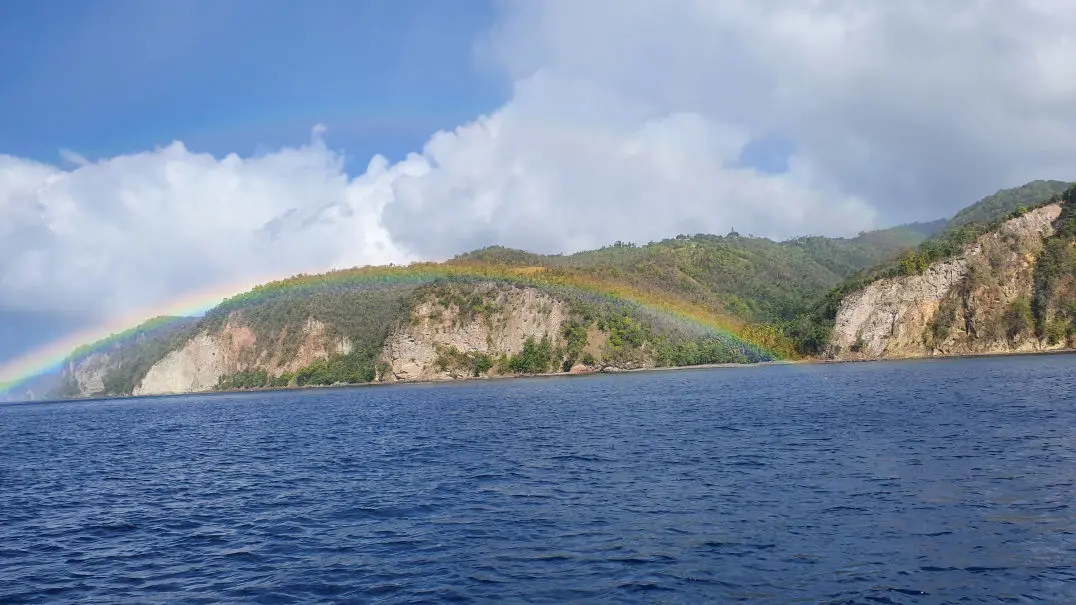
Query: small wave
[{"x": 644, "y": 587}]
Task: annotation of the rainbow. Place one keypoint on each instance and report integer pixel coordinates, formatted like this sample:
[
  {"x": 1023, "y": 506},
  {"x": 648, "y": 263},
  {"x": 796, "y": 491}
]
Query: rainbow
[{"x": 50, "y": 357}]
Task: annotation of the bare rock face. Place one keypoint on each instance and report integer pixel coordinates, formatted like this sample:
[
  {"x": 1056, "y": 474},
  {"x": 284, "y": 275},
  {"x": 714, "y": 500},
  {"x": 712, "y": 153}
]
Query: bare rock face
[
  {"x": 200, "y": 363},
  {"x": 512, "y": 314},
  {"x": 886, "y": 319},
  {"x": 89, "y": 374},
  {"x": 316, "y": 344},
  {"x": 197, "y": 366},
  {"x": 956, "y": 307}
]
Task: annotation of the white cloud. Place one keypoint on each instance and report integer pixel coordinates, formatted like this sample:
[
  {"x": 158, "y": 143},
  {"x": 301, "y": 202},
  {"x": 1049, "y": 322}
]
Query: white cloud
[
  {"x": 567, "y": 165},
  {"x": 626, "y": 122},
  {"x": 130, "y": 232},
  {"x": 918, "y": 106}
]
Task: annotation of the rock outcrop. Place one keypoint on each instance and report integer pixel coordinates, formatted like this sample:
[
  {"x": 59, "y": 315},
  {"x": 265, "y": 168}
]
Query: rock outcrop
[
  {"x": 967, "y": 305},
  {"x": 89, "y": 374},
  {"x": 197, "y": 366},
  {"x": 500, "y": 327},
  {"x": 200, "y": 363}
]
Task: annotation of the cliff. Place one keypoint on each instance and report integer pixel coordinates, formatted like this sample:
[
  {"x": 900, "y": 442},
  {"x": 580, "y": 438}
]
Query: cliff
[
  {"x": 979, "y": 301},
  {"x": 442, "y": 330},
  {"x": 443, "y": 335},
  {"x": 203, "y": 360},
  {"x": 115, "y": 365}
]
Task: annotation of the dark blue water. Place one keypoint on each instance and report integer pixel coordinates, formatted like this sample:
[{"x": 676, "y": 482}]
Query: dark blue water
[{"x": 918, "y": 482}]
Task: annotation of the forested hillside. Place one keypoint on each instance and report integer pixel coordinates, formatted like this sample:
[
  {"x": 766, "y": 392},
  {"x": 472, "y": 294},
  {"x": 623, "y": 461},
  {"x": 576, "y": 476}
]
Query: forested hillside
[
  {"x": 114, "y": 366},
  {"x": 1004, "y": 202},
  {"x": 755, "y": 279},
  {"x": 685, "y": 300}
]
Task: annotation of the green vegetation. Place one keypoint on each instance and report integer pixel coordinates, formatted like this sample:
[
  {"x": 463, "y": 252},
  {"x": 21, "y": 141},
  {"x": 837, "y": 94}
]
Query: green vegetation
[
  {"x": 247, "y": 379},
  {"x": 1018, "y": 318},
  {"x": 756, "y": 279},
  {"x": 469, "y": 302},
  {"x": 158, "y": 325},
  {"x": 276, "y": 313},
  {"x": 132, "y": 353},
  {"x": 361, "y": 314},
  {"x": 1053, "y": 304},
  {"x": 284, "y": 380},
  {"x": 451, "y": 359},
  {"x": 775, "y": 287},
  {"x": 1006, "y": 201},
  {"x": 574, "y": 333},
  {"x": 255, "y": 379},
  {"x": 535, "y": 358},
  {"x": 349, "y": 368}
]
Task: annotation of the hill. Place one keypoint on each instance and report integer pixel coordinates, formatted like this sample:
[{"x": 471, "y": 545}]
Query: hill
[
  {"x": 691, "y": 299},
  {"x": 683, "y": 301},
  {"x": 1004, "y": 202},
  {"x": 114, "y": 365},
  {"x": 755, "y": 279},
  {"x": 1006, "y": 286}
]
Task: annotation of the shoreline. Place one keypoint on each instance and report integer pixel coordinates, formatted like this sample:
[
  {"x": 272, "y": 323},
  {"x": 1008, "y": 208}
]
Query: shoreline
[{"x": 600, "y": 372}]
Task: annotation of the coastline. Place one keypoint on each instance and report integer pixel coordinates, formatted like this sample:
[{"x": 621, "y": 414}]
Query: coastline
[{"x": 599, "y": 372}]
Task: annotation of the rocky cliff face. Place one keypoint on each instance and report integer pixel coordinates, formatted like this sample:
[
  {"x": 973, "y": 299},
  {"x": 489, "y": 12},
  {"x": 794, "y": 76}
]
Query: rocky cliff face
[
  {"x": 975, "y": 303},
  {"x": 201, "y": 362},
  {"x": 195, "y": 367},
  {"x": 438, "y": 329},
  {"x": 89, "y": 374}
]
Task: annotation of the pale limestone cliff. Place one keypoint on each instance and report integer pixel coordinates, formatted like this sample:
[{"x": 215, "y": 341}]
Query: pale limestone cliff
[
  {"x": 956, "y": 307},
  {"x": 511, "y": 314},
  {"x": 201, "y": 362},
  {"x": 197, "y": 366}
]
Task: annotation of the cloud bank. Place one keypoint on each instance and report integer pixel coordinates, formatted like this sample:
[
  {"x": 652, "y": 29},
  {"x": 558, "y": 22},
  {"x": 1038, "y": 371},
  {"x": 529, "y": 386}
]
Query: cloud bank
[{"x": 627, "y": 121}]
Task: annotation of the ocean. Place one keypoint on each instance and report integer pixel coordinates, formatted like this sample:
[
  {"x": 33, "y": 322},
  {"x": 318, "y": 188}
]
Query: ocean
[{"x": 936, "y": 481}]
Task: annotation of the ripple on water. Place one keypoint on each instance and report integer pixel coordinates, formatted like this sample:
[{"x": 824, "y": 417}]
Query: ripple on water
[{"x": 858, "y": 483}]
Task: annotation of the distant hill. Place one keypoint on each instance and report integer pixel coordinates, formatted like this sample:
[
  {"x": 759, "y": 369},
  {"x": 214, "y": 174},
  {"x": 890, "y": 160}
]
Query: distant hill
[
  {"x": 38, "y": 388},
  {"x": 115, "y": 365}
]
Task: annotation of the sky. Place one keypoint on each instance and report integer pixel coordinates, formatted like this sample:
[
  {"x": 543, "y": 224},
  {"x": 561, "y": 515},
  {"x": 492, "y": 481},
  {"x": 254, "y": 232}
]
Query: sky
[{"x": 150, "y": 150}]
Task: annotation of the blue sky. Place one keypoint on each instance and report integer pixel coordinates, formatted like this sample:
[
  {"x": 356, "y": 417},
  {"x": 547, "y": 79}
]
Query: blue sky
[{"x": 111, "y": 77}]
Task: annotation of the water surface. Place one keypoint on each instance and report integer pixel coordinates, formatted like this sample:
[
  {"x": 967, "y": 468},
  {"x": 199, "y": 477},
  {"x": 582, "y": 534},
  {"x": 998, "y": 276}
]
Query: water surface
[{"x": 913, "y": 482}]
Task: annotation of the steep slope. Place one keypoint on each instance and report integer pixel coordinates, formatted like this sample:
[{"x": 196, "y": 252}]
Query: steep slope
[
  {"x": 1006, "y": 201},
  {"x": 976, "y": 302},
  {"x": 447, "y": 337},
  {"x": 115, "y": 365},
  {"x": 812, "y": 331},
  {"x": 283, "y": 334}
]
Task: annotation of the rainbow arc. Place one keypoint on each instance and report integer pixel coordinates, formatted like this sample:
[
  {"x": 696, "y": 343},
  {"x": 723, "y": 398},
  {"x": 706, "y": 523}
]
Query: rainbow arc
[{"x": 53, "y": 355}]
